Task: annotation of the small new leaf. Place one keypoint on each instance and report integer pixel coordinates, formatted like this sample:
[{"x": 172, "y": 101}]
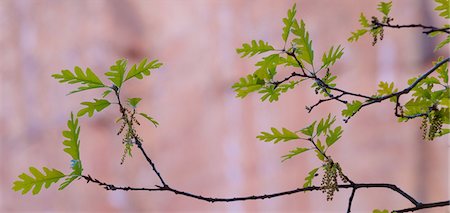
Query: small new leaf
[
  {"x": 277, "y": 136},
  {"x": 442, "y": 43},
  {"x": 254, "y": 48},
  {"x": 88, "y": 79},
  {"x": 332, "y": 56},
  {"x": 310, "y": 177},
  {"x": 385, "y": 7},
  {"x": 309, "y": 131},
  {"x": 334, "y": 135},
  {"x": 443, "y": 7},
  {"x": 267, "y": 66},
  {"x": 324, "y": 125},
  {"x": 293, "y": 153},
  {"x": 363, "y": 20},
  {"x": 352, "y": 108},
  {"x": 117, "y": 72},
  {"x": 247, "y": 85},
  {"x": 27, "y": 182},
  {"x": 98, "y": 105},
  {"x": 72, "y": 141},
  {"x": 106, "y": 93},
  {"x": 288, "y": 22},
  {"x": 150, "y": 119},
  {"x": 380, "y": 211},
  {"x": 134, "y": 101},
  {"x": 356, "y": 35},
  {"x": 304, "y": 44},
  {"x": 137, "y": 71},
  {"x": 442, "y": 70}
]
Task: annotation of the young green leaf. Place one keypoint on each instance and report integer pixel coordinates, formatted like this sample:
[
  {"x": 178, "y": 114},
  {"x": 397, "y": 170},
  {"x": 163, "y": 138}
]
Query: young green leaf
[
  {"x": 277, "y": 136},
  {"x": 380, "y": 211},
  {"x": 443, "y": 7},
  {"x": 356, "y": 35},
  {"x": 117, "y": 72},
  {"x": 442, "y": 43},
  {"x": 254, "y": 48},
  {"x": 27, "y": 182},
  {"x": 247, "y": 85},
  {"x": 332, "y": 56},
  {"x": 72, "y": 141},
  {"x": 309, "y": 131},
  {"x": 293, "y": 153},
  {"x": 310, "y": 177},
  {"x": 385, "y": 7},
  {"x": 334, "y": 135},
  {"x": 106, "y": 93},
  {"x": 134, "y": 101},
  {"x": 324, "y": 125},
  {"x": 387, "y": 89},
  {"x": 352, "y": 108},
  {"x": 320, "y": 150},
  {"x": 89, "y": 80},
  {"x": 288, "y": 22},
  {"x": 270, "y": 92},
  {"x": 442, "y": 70},
  {"x": 98, "y": 105},
  {"x": 304, "y": 44},
  {"x": 150, "y": 119},
  {"x": 363, "y": 21},
  {"x": 267, "y": 66},
  {"x": 143, "y": 69}
]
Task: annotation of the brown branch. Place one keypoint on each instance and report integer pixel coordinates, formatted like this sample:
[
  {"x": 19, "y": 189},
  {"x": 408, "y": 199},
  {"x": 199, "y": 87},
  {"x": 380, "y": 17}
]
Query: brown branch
[
  {"x": 426, "y": 29},
  {"x": 424, "y": 206}
]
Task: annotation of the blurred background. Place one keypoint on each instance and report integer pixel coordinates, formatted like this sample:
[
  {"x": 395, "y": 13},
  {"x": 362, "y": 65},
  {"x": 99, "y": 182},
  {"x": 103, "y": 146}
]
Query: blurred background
[{"x": 206, "y": 143}]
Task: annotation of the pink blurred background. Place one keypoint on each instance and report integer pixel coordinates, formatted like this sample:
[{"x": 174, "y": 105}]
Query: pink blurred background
[{"x": 206, "y": 143}]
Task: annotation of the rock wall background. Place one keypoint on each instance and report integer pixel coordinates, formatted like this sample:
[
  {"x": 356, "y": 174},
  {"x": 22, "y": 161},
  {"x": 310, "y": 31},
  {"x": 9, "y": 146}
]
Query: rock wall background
[{"x": 206, "y": 143}]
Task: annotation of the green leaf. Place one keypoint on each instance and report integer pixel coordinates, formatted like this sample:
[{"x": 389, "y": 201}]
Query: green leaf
[
  {"x": 380, "y": 211},
  {"x": 106, "y": 93},
  {"x": 442, "y": 70},
  {"x": 352, "y": 108},
  {"x": 267, "y": 66},
  {"x": 88, "y": 79},
  {"x": 270, "y": 92},
  {"x": 134, "y": 101},
  {"x": 98, "y": 105},
  {"x": 304, "y": 44},
  {"x": 332, "y": 56},
  {"x": 293, "y": 153},
  {"x": 247, "y": 85},
  {"x": 72, "y": 144},
  {"x": 324, "y": 125},
  {"x": 356, "y": 35},
  {"x": 27, "y": 182},
  {"x": 320, "y": 150},
  {"x": 254, "y": 48},
  {"x": 72, "y": 141},
  {"x": 288, "y": 22},
  {"x": 387, "y": 89},
  {"x": 150, "y": 119},
  {"x": 334, "y": 135},
  {"x": 277, "y": 136},
  {"x": 117, "y": 72},
  {"x": 363, "y": 21},
  {"x": 443, "y": 7},
  {"x": 309, "y": 131},
  {"x": 310, "y": 177},
  {"x": 442, "y": 43},
  {"x": 143, "y": 69},
  {"x": 385, "y": 7}
]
